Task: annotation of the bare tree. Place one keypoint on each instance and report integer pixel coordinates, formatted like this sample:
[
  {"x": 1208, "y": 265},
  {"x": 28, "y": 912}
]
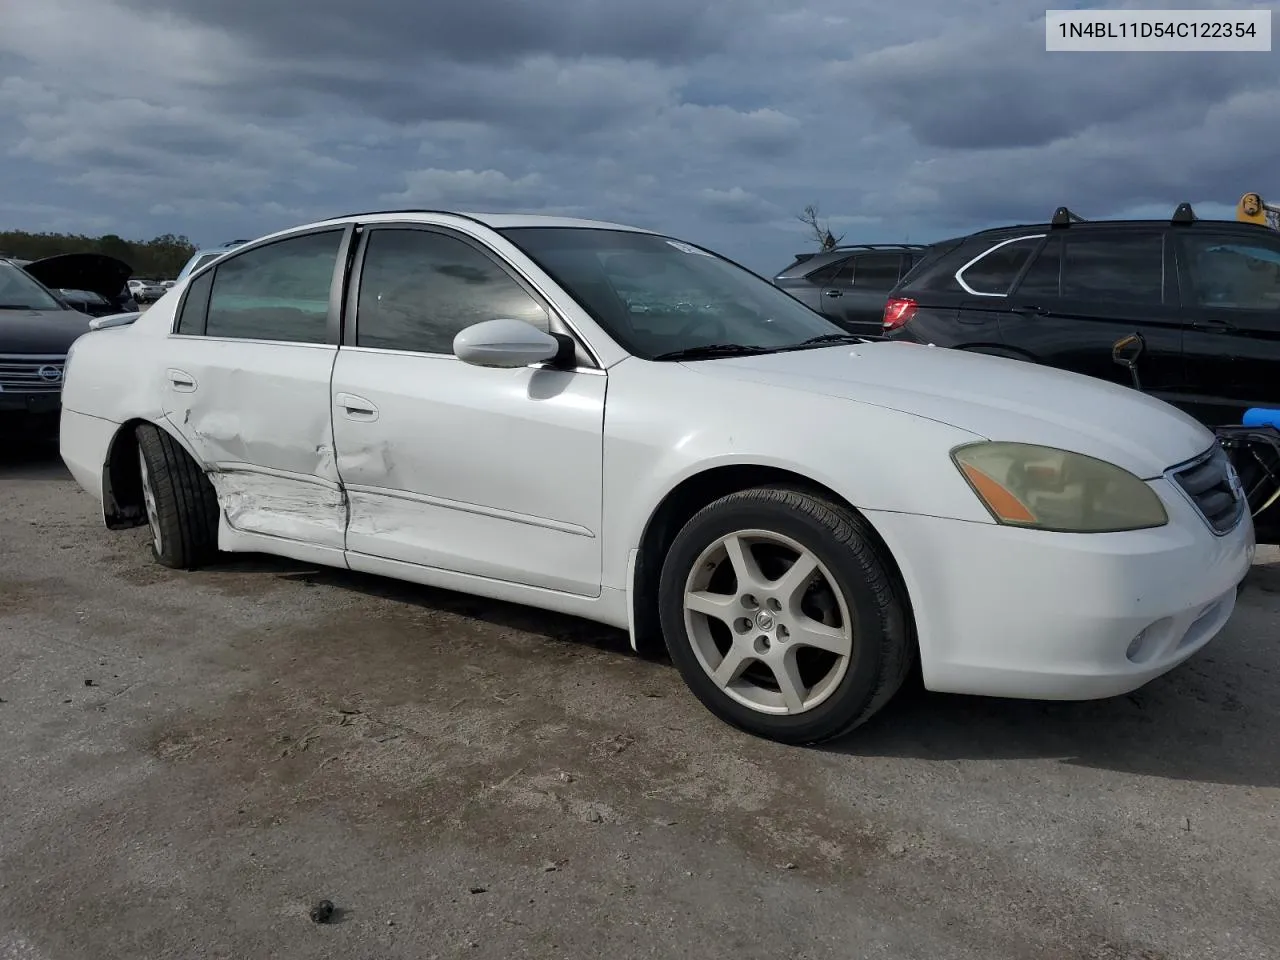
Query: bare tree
[{"x": 821, "y": 227}]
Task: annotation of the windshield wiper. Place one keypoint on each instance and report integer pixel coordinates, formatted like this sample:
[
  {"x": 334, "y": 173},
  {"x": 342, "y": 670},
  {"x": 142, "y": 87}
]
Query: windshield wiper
[
  {"x": 709, "y": 351},
  {"x": 16, "y": 306},
  {"x": 830, "y": 338}
]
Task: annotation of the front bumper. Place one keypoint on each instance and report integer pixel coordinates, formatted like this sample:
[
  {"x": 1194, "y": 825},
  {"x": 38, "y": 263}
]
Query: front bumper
[
  {"x": 1008, "y": 612},
  {"x": 30, "y": 403}
]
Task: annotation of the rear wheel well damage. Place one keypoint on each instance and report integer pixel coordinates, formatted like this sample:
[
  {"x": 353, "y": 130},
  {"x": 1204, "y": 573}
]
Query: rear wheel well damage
[
  {"x": 690, "y": 496},
  {"x": 122, "y": 503}
]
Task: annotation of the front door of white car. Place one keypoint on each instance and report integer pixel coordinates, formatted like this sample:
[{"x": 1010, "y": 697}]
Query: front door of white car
[
  {"x": 246, "y": 384},
  {"x": 482, "y": 471}
]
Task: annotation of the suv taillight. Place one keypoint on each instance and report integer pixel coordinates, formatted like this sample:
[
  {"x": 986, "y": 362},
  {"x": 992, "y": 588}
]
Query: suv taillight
[{"x": 897, "y": 312}]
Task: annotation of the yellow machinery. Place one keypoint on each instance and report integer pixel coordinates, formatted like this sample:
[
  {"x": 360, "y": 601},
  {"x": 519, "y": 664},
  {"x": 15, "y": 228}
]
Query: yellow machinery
[{"x": 1253, "y": 209}]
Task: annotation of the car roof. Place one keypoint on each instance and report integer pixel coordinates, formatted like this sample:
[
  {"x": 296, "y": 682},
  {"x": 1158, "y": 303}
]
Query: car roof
[
  {"x": 803, "y": 264},
  {"x": 495, "y": 221},
  {"x": 1100, "y": 226}
]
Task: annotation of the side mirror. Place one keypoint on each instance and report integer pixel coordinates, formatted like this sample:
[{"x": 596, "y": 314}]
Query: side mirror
[
  {"x": 1126, "y": 351},
  {"x": 504, "y": 343}
]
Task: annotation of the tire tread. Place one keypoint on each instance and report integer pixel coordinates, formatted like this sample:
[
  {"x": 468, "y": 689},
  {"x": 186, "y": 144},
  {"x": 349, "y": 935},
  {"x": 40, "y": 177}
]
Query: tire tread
[{"x": 186, "y": 503}]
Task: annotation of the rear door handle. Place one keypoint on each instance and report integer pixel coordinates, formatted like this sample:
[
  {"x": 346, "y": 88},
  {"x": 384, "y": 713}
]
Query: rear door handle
[
  {"x": 1027, "y": 308},
  {"x": 181, "y": 381},
  {"x": 833, "y": 293},
  {"x": 1216, "y": 325},
  {"x": 357, "y": 408}
]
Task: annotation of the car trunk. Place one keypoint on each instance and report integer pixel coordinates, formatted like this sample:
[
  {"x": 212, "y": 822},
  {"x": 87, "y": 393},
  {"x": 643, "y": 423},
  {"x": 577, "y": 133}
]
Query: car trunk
[{"x": 95, "y": 272}]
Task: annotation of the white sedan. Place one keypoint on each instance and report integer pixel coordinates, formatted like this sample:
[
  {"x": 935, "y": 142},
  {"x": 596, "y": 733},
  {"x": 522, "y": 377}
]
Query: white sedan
[{"x": 612, "y": 423}]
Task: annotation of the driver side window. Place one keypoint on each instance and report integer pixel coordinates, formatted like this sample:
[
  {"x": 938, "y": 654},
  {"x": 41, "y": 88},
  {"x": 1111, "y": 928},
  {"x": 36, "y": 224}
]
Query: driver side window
[
  {"x": 419, "y": 288},
  {"x": 1230, "y": 274}
]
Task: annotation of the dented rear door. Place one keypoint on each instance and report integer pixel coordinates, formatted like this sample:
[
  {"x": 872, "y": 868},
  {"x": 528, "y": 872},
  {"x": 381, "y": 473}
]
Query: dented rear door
[{"x": 247, "y": 385}]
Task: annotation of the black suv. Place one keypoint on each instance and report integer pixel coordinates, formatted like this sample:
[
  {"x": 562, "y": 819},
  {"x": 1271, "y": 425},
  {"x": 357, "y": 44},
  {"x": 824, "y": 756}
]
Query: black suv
[
  {"x": 850, "y": 284},
  {"x": 1203, "y": 295}
]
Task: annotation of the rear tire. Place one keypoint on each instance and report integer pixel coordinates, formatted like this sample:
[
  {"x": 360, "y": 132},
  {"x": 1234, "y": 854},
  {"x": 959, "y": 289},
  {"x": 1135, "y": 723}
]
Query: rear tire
[
  {"x": 794, "y": 650},
  {"x": 182, "y": 507}
]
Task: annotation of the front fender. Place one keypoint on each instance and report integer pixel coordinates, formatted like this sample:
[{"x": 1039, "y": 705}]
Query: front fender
[{"x": 664, "y": 426}]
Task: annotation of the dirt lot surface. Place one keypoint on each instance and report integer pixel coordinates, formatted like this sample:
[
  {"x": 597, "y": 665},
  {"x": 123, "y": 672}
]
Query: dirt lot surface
[{"x": 189, "y": 761}]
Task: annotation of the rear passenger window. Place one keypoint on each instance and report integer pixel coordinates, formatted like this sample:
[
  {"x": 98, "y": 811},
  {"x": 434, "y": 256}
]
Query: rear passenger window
[
  {"x": 276, "y": 292},
  {"x": 833, "y": 273},
  {"x": 1125, "y": 269},
  {"x": 1044, "y": 274},
  {"x": 994, "y": 273},
  {"x": 876, "y": 271},
  {"x": 194, "y": 305}
]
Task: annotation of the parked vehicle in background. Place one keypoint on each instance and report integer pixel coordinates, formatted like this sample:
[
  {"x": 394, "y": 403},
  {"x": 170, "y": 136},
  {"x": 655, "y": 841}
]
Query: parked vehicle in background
[
  {"x": 202, "y": 257},
  {"x": 1204, "y": 295},
  {"x": 85, "y": 280},
  {"x": 86, "y": 301},
  {"x": 850, "y": 284},
  {"x": 620, "y": 425},
  {"x": 146, "y": 291},
  {"x": 36, "y": 332}
]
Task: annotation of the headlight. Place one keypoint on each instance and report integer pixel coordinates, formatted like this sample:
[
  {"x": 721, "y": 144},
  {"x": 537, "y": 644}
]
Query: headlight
[{"x": 1048, "y": 489}]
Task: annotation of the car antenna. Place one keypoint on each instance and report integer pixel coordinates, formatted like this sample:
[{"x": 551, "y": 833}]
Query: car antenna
[{"x": 1184, "y": 214}]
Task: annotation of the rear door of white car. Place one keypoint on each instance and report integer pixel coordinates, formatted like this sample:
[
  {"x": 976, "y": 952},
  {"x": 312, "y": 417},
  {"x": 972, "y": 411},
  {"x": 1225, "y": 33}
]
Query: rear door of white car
[
  {"x": 482, "y": 471},
  {"x": 247, "y": 384}
]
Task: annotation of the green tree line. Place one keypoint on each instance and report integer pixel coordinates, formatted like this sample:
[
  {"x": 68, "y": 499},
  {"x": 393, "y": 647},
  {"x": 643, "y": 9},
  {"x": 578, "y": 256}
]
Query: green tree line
[{"x": 158, "y": 259}]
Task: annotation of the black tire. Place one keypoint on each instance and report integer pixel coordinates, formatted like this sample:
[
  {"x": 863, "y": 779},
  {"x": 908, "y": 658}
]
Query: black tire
[
  {"x": 186, "y": 506},
  {"x": 882, "y": 650}
]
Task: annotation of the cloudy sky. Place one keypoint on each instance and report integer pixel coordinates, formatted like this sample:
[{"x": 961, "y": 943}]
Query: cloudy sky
[{"x": 716, "y": 120}]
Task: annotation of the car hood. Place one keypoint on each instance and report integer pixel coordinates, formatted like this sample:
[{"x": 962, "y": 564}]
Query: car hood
[
  {"x": 82, "y": 271},
  {"x": 41, "y": 332},
  {"x": 994, "y": 397}
]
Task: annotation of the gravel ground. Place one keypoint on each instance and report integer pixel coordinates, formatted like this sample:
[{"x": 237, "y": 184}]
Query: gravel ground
[{"x": 189, "y": 761}]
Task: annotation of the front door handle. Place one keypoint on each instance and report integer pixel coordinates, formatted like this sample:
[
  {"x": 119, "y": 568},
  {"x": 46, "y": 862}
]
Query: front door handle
[
  {"x": 834, "y": 293},
  {"x": 1027, "y": 308},
  {"x": 357, "y": 408},
  {"x": 181, "y": 381}
]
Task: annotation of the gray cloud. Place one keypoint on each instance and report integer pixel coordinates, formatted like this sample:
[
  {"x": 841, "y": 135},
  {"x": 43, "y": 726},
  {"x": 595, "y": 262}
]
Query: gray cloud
[
  {"x": 715, "y": 120},
  {"x": 478, "y": 31},
  {"x": 999, "y": 88}
]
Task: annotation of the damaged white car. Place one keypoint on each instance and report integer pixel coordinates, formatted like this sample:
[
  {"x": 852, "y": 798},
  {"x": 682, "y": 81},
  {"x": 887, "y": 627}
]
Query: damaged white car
[{"x": 611, "y": 423}]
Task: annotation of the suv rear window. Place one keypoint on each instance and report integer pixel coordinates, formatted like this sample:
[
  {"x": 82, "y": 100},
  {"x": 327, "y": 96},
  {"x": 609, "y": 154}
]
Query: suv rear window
[{"x": 994, "y": 272}]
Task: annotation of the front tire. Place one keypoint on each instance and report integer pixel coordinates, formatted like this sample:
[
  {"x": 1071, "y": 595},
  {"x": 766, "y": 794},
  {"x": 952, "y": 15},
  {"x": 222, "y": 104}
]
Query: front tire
[
  {"x": 182, "y": 507},
  {"x": 782, "y": 616}
]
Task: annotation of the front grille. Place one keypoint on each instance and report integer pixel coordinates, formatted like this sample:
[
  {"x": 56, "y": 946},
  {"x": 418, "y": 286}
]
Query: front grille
[
  {"x": 28, "y": 373},
  {"x": 1206, "y": 481}
]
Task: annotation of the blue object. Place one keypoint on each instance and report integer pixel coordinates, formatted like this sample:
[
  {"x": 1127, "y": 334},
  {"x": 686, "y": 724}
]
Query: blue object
[{"x": 1262, "y": 417}]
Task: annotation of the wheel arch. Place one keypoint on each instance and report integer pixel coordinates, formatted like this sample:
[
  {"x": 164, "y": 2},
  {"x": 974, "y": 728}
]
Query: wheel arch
[
  {"x": 122, "y": 504},
  {"x": 693, "y": 493}
]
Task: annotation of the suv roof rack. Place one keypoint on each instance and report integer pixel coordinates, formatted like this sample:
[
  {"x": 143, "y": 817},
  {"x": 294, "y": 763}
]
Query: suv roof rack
[
  {"x": 878, "y": 246},
  {"x": 1062, "y": 217},
  {"x": 1184, "y": 214}
]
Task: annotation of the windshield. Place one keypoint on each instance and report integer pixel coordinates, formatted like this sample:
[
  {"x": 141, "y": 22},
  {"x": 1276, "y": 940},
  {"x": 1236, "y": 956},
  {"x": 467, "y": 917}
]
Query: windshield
[
  {"x": 20, "y": 291},
  {"x": 657, "y": 296}
]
